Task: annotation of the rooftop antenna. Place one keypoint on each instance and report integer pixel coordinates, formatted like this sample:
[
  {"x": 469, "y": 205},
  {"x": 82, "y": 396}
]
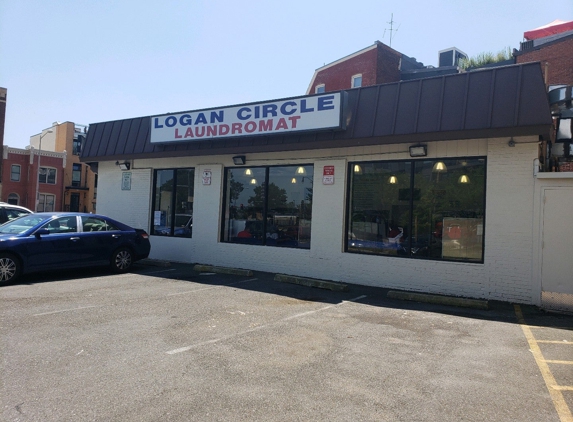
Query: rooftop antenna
[{"x": 391, "y": 28}]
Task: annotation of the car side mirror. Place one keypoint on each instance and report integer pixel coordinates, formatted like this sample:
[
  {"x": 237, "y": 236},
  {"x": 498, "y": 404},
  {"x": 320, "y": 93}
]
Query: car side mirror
[{"x": 41, "y": 232}]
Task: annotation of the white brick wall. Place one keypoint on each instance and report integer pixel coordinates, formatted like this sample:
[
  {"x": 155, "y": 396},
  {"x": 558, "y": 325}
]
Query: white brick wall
[{"x": 505, "y": 275}]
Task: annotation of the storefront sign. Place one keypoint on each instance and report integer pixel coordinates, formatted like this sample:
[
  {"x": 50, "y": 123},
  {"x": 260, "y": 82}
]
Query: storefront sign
[
  {"x": 295, "y": 114},
  {"x": 328, "y": 175}
]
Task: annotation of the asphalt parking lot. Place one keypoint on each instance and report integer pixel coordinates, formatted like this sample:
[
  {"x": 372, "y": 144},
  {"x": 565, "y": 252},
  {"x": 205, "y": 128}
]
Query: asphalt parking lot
[{"x": 172, "y": 344}]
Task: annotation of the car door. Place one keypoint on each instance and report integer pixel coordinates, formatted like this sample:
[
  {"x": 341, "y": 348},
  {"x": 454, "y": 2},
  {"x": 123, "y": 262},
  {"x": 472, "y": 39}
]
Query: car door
[
  {"x": 99, "y": 238},
  {"x": 60, "y": 248}
]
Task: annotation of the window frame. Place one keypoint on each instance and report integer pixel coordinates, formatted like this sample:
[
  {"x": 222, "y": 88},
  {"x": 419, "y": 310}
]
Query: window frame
[
  {"x": 47, "y": 178},
  {"x": 42, "y": 208},
  {"x": 172, "y": 202},
  {"x": 265, "y": 214},
  {"x": 318, "y": 87},
  {"x": 12, "y": 173},
  {"x": 411, "y": 206},
  {"x": 353, "y": 80},
  {"x": 76, "y": 171}
]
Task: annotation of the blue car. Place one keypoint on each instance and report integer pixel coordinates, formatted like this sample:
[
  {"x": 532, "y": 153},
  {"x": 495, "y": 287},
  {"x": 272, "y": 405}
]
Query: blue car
[{"x": 58, "y": 240}]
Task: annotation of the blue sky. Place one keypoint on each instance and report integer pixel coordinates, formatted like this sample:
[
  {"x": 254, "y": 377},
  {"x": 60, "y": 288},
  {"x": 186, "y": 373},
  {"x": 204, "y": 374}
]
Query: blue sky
[{"x": 91, "y": 61}]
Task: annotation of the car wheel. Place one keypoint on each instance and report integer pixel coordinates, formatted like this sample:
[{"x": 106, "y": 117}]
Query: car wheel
[
  {"x": 10, "y": 268},
  {"x": 121, "y": 260}
]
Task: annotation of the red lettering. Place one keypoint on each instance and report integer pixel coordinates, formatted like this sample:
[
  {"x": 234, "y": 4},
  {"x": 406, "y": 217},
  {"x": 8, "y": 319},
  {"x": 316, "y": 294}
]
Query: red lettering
[
  {"x": 293, "y": 121},
  {"x": 224, "y": 129},
  {"x": 188, "y": 133},
  {"x": 199, "y": 134},
  {"x": 265, "y": 125},
  {"x": 282, "y": 124},
  {"x": 212, "y": 130},
  {"x": 250, "y": 127},
  {"x": 177, "y": 134},
  {"x": 237, "y": 128}
]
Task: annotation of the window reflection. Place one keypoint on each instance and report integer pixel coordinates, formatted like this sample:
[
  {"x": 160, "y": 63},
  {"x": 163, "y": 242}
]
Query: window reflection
[
  {"x": 173, "y": 203},
  {"x": 269, "y": 206},
  {"x": 439, "y": 216}
]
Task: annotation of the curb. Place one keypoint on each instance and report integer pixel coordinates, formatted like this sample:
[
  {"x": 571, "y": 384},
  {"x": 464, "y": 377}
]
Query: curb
[
  {"x": 311, "y": 282},
  {"x": 221, "y": 270},
  {"x": 440, "y": 300}
]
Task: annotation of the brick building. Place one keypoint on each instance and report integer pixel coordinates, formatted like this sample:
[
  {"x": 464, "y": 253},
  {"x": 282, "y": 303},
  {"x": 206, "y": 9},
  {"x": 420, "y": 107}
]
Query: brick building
[
  {"x": 20, "y": 174},
  {"x": 79, "y": 180},
  {"x": 373, "y": 65},
  {"x": 552, "y": 45}
]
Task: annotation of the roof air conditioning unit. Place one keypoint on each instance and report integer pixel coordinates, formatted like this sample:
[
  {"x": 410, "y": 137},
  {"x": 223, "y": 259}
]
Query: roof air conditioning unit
[{"x": 450, "y": 57}]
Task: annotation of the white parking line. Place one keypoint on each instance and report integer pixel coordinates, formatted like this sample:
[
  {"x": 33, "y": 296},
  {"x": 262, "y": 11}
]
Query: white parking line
[
  {"x": 67, "y": 310},
  {"x": 210, "y": 288},
  {"x": 217, "y": 340}
]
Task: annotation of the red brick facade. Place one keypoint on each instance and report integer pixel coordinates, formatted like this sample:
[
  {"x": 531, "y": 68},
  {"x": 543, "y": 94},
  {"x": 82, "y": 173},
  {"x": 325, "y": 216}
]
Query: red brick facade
[
  {"x": 25, "y": 187},
  {"x": 377, "y": 64},
  {"x": 559, "y": 59}
]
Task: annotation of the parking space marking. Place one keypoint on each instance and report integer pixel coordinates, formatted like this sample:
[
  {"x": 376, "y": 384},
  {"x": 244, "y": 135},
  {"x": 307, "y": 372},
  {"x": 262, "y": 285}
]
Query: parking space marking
[
  {"x": 260, "y": 327},
  {"x": 211, "y": 288},
  {"x": 556, "y": 341},
  {"x": 560, "y": 362},
  {"x": 67, "y": 310},
  {"x": 561, "y": 407}
]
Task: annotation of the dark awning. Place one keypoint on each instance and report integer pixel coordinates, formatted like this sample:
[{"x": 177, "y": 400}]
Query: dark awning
[{"x": 494, "y": 102}]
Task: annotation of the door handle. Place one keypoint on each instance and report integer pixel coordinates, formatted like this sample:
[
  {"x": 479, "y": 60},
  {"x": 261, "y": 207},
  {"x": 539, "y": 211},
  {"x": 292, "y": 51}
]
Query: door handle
[
  {"x": 116, "y": 236},
  {"x": 73, "y": 239}
]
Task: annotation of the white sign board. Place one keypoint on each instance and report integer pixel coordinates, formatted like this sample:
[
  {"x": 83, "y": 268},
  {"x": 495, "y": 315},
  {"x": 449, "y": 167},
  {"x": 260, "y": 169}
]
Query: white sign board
[{"x": 291, "y": 115}]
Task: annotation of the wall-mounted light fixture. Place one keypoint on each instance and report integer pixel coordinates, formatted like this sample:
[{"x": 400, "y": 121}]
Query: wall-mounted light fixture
[
  {"x": 239, "y": 160},
  {"x": 123, "y": 166},
  {"x": 418, "y": 151}
]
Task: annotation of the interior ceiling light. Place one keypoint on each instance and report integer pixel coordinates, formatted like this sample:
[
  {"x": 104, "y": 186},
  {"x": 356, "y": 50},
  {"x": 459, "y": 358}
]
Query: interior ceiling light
[{"x": 440, "y": 167}]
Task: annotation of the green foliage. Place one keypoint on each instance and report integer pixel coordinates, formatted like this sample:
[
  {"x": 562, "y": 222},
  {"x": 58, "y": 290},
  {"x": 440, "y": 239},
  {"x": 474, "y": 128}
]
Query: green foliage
[{"x": 486, "y": 58}]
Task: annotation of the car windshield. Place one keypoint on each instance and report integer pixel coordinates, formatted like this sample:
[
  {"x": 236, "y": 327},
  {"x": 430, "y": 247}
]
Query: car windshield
[{"x": 20, "y": 225}]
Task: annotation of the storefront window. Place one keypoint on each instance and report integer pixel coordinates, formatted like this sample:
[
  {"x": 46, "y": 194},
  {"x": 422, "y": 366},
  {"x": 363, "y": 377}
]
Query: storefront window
[
  {"x": 173, "y": 202},
  {"x": 419, "y": 209},
  {"x": 269, "y": 206}
]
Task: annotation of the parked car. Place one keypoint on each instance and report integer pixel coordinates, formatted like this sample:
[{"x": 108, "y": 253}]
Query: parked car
[
  {"x": 58, "y": 240},
  {"x": 183, "y": 226},
  {"x": 10, "y": 212}
]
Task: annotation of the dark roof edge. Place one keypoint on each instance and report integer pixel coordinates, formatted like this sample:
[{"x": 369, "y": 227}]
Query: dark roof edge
[{"x": 537, "y": 130}]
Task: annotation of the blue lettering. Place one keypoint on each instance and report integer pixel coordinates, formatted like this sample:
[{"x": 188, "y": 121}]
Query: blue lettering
[
  {"x": 304, "y": 108},
  {"x": 201, "y": 119},
  {"x": 156, "y": 124},
  {"x": 171, "y": 121},
  {"x": 269, "y": 109},
  {"x": 241, "y": 115},
  {"x": 257, "y": 112},
  {"x": 288, "y": 104},
  {"x": 325, "y": 103},
  {"x": 185, "y": 120},
  {"x": 217, "y": 116}
]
